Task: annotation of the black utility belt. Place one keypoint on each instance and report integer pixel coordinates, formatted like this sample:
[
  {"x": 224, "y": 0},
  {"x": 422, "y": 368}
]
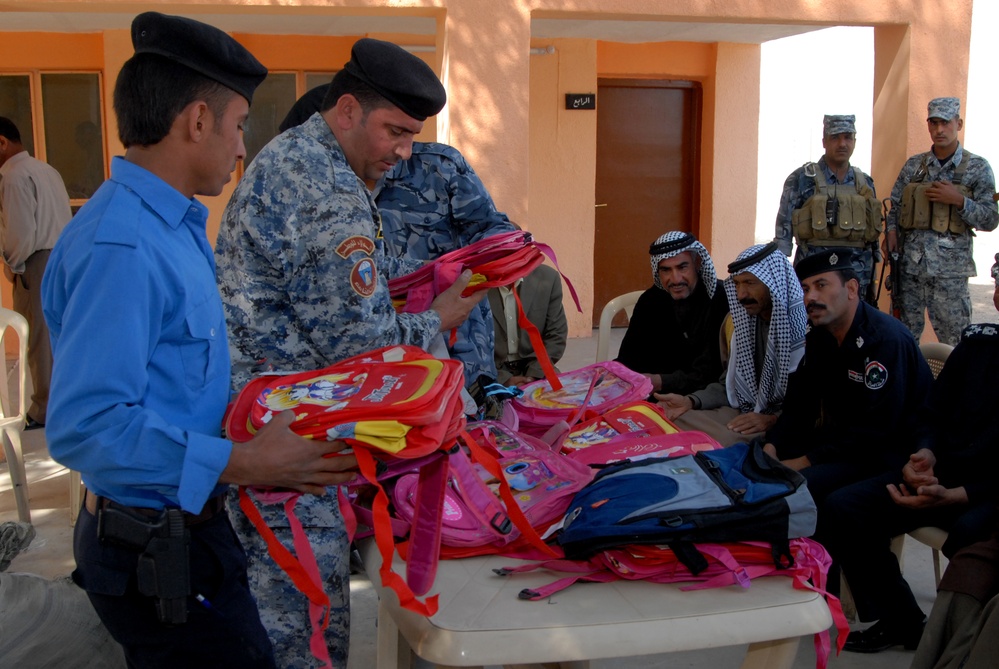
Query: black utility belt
[{"x": 213, "y": 507}]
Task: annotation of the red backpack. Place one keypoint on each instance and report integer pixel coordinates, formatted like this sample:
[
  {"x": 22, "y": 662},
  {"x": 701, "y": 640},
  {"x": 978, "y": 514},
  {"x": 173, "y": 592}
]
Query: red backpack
[
  {"x": 393, "y": 403},
  {"x": 632, "y": 419}
]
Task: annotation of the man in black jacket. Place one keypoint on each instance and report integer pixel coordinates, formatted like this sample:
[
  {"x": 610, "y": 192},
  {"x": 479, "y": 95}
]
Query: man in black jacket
[
  {"x": 862, "y": 384},
  {"x": 674, "y": 331}
]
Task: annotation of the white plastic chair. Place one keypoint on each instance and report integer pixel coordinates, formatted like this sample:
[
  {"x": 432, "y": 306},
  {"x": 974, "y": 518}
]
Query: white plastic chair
[
  {"x": 624, "y": 303},
  {"x": 11, "y": 422}
]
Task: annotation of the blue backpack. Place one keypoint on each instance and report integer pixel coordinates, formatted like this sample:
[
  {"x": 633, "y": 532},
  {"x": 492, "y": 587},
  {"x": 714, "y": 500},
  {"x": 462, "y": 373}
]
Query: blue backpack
[{"x": 731, "y": 494}]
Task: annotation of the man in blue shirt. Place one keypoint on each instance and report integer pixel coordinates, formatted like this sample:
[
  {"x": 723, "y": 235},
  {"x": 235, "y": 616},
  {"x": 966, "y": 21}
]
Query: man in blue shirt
[{"x": 141, "y": 365}]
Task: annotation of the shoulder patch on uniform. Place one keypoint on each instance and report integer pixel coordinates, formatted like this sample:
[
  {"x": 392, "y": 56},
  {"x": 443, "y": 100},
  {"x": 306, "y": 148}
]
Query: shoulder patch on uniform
[
  {"x": 981, "y": 331},
  {"x": 355, "y": 243},
  {"x": 363, "y": 277},
  {"x": 875, "y": 375}
]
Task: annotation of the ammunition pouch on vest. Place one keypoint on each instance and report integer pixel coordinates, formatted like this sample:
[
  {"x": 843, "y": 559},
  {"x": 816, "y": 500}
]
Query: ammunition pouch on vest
[
  {"x": 918, "y": 213},
  {"x": 838, "y": 214}
]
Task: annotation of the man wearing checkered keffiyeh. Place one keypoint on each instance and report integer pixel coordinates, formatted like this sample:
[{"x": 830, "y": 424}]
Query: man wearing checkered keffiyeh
[
  {"x": 672, "y": 337},
  {"x": 752, "y": 386},
  {"x": 768, "y": 341}
]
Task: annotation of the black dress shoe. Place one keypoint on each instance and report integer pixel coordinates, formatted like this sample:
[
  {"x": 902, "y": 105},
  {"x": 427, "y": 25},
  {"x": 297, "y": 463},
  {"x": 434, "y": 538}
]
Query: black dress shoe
[
  {"x": 32, "y": 424},
  {"x": 882, "y": 636}
]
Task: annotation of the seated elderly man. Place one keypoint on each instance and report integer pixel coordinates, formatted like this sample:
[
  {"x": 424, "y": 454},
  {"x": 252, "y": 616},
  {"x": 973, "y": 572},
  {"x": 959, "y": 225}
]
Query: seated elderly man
[
  {"x": 768, "y": 341},
  {"x": 948, "y": 482},
  {"x": 673, "y": 334}
]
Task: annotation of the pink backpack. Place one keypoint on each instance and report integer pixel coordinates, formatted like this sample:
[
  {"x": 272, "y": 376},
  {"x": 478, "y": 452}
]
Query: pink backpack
[
  {"x": 637, "y": 446},
  {"x": 505, "y": 470},
  {"x": 728, "y": 564},
  {"x": 598, "y": 387}
]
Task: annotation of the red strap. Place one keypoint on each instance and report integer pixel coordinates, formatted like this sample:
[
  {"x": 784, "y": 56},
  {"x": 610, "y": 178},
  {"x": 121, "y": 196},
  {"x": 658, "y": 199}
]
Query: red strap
[
  {"x": 452, "y": 338},
  {"x": 303, "y": 570},
  {"x": 547, "y": 250},
  {"x": 539, "y": 345},
  {"x": 386, "y": 547},
  {"x": 347, "y": 511},
  {"x": 513, "y": 509}
]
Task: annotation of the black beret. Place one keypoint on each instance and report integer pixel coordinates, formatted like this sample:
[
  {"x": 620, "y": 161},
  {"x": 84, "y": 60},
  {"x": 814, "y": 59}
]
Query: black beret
[
  {"x": 825, "y": 261},
  {"x": 398, "y": 76},
  {"x": 304, "y": 107},
  {"x": 201, "y": 47}
]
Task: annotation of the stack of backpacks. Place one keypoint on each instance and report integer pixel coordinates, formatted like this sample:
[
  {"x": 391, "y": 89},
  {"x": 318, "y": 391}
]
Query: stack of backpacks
[{"x": 583, "y": 476}]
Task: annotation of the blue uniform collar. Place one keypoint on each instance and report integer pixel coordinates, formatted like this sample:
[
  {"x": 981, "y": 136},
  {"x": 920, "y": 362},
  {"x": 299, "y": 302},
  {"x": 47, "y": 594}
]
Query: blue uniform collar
[{"x": 165, "y": 200}]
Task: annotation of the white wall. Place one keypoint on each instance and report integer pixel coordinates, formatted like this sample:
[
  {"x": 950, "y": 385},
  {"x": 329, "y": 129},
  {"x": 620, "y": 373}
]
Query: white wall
[{"x": 800, "y": 82}]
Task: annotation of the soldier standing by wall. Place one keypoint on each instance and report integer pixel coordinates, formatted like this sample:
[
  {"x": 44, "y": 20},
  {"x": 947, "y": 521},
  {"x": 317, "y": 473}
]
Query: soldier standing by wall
[
  {"x": 832, "y": 204},
  {"x": 939, "y": 199}
]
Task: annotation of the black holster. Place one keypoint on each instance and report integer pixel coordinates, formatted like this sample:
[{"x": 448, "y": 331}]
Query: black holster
[{"x": 163, "y": 541}]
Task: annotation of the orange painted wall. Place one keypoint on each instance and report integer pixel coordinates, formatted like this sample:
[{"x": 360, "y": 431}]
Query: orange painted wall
[{"x": 503, "y": 102}]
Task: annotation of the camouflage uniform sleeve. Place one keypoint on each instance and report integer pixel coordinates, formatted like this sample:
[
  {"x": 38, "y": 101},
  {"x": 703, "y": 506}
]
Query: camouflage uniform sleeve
[
  {"x": 904, "y": 176},
  {"x": 979, "y": 210},
  {"x": 783, "y": 232},
  {"x": 473, "y": 213}
]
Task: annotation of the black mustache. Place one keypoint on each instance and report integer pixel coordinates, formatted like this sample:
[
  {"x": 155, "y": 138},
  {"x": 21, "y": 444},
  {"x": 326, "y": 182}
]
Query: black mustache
[
  {"x": 747, "y": 301},
  {"x": 815, "y": 305}
]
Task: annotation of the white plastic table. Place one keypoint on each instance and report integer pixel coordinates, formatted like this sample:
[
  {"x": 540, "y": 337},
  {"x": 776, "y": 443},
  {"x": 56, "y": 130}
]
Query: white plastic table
[{"x": 481, "y": 621}]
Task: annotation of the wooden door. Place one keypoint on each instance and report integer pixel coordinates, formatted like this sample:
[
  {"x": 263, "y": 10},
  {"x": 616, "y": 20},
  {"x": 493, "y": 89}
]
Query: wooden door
[{"x": 647, "y": 178}]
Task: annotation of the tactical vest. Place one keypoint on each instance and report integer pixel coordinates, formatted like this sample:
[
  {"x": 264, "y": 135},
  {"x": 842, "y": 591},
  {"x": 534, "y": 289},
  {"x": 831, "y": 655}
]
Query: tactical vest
[
  {"x": 838, "y": 214},
  {"x": 918, "y": 213}
]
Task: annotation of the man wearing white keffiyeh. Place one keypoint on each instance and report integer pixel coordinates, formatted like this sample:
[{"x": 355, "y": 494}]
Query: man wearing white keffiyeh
[{"x": 768, "y": 340}]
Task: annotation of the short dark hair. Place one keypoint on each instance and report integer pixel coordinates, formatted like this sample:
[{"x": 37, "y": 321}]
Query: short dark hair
[
  {"x": 9, "y": 130},
  {"x": 847, "y": 274},
  {"x": 152, "y": 90},
  {"x": 345, "y": 83}
]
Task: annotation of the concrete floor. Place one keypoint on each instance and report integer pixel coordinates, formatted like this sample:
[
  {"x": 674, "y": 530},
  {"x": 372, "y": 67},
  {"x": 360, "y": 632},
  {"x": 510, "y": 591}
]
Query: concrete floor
[{"x": 50, "y": 554}]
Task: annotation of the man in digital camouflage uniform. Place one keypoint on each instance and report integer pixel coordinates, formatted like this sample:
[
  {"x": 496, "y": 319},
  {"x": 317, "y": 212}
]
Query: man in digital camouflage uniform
[
  {"x": 823, "y": 206},
  {"x": 303, "y": 276},
  {"x": 434, "y": 203},
  {"x": 431, "y": 204},
  {"x": 939, "y": 199}
]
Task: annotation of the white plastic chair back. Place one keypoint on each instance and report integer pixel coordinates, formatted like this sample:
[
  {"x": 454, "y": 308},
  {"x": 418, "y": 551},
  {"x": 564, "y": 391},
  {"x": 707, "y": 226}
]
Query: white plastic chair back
[
  {"x": 13, "y": 409},
  {"x": 624, "y": 303}
]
